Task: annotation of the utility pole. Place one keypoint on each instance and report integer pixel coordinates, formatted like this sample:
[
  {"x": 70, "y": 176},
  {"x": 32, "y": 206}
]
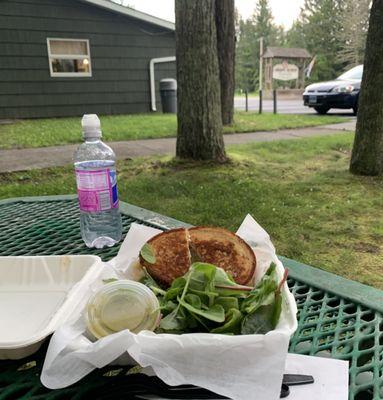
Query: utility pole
[{"x": 260, "y": 73}]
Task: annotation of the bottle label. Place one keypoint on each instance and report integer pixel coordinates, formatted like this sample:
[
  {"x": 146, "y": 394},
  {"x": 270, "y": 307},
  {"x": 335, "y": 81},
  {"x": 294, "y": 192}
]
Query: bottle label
[{"x": 97, "y": 189}]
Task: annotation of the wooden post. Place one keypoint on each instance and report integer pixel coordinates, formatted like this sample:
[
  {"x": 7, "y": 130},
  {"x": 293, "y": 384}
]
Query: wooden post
[
  {"x": 274, "y": 101},
  {"x": 260, "y": 63},
  {"x": 303, "y": 74}
]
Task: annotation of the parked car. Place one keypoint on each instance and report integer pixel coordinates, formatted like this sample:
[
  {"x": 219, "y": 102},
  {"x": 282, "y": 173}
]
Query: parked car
[{"x": 343, "y": 92}]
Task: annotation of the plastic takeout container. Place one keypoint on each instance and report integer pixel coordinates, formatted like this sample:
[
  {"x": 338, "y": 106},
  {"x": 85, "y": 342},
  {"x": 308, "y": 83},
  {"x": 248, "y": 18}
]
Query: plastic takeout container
[
  {"x": 37, "y": 295},
  {"x": 121, "y": 305}
]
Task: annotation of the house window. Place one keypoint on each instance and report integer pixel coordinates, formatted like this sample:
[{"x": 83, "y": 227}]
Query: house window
[{"x": 69, "y": 57}]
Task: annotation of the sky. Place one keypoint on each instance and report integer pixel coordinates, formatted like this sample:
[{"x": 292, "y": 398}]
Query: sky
[{"x": 284, "y": 11}]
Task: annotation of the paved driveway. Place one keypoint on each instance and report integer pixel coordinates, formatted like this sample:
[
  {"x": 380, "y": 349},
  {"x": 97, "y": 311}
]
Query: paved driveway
[{"x": 283, "y": 106}]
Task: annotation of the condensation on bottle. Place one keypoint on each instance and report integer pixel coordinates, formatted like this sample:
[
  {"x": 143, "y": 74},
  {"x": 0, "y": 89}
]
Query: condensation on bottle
[{"x": 96, "y": 178}]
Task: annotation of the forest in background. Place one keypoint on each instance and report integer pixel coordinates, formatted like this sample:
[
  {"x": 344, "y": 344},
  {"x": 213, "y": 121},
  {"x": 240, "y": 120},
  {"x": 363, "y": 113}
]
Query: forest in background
[{"x": 332, "y": 30}]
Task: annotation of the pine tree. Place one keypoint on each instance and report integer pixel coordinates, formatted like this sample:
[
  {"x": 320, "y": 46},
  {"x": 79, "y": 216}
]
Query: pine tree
[
  {"x": 245, "y": 64},
  {"x": 261, "y": 24},
  {"x": 295, "y": 36},
  {"x": 353, "y": 34},
  {"x": 318, "y": 29}
]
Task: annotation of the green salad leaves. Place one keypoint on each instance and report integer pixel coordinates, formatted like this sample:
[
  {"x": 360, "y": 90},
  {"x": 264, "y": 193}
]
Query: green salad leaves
[
  {"x": 147, "y": 253},
  {"x": 206, "y": 299}
]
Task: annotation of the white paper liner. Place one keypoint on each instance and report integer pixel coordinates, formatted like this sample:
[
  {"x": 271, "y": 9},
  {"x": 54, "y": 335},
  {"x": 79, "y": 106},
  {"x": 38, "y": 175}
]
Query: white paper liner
[{"x": 239, "y": 367}]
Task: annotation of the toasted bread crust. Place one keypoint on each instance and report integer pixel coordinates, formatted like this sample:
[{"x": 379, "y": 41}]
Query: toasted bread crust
[
  {"x": 213, "y": 245},
  {"x": 224, "y": 249},
  {"x": 171, "y": 250}
]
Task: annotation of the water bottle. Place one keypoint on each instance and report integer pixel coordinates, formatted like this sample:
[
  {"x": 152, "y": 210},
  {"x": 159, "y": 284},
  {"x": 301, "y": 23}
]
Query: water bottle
[{"x": 95, "y": 166}]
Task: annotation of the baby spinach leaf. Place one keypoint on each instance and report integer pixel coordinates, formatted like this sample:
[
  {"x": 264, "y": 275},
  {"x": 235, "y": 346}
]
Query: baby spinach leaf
[
  {"x": 147, "y": 253},
  {"x": 263, "y": 291},
  {"x": 205, "y": 296},
  {"x": 192, "y": 322},
  {"x": 258, "y": 322},
  {"x": 173, "y": 321},
  {"x": 222, "y": 278},
  {"x": 152, "y": 284},
  {"x": 193, "y": 300},
  {"x": 208, "y": 271},
  {"x": 215, "y": 313},
  {"x": 157, "y": 291},
  {"x": 225, "y": 285},
  {"x": 176, "y": 320},
  {"x": 227, "y": 302},
  {"x": 278, "y": 299},
  {"x": 232, "y": 323},
  {"x": 198, "y": 280},
  {"x": 167, "y": 307},
  {"x": 148, "y": 280},
  {"x": 173, "y": 293},
  {"x": 198, "y": 302},
  {"x": 263, "y": 297},
  {"x": 231, "y": 291},
  {"x": 178, "y": 282},
  {"x": 276, "y": 310},
  {"x": 203, "y": 324}
]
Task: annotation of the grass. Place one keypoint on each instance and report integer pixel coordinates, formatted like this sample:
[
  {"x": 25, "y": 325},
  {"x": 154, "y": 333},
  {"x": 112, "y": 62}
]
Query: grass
[
  {"x": 60, "y": 131},
  {"x": 300, "y": 191}
]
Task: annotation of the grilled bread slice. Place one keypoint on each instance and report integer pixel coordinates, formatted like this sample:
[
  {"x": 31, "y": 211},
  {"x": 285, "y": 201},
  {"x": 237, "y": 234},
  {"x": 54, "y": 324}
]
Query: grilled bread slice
[
  {"x": 224, "y": 249},
  {"x": 172, "y": 256}
]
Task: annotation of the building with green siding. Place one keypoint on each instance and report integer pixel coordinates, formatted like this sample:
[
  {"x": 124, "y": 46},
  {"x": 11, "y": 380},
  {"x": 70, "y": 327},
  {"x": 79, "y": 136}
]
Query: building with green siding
[{"x": 70, "y": 57}]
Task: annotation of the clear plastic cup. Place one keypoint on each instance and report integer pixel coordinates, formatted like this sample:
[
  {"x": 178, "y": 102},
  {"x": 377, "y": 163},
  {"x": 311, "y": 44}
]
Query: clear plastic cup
[{"x": 122, "y": 305}]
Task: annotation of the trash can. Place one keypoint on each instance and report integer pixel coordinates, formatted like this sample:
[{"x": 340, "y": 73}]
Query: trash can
[{"x": 168, "y": 91}]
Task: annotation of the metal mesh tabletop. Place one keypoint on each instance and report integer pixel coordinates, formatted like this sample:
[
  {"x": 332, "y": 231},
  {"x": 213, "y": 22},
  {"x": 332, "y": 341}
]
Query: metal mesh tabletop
[{"x": 337, "y": 318}]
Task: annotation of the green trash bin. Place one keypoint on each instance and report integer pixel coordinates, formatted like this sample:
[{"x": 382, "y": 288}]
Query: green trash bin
[{"x": 168, "y": 91}]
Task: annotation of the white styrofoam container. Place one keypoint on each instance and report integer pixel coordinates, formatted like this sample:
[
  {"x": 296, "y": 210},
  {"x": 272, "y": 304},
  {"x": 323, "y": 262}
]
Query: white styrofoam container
[{"x": 37, "y": 295}]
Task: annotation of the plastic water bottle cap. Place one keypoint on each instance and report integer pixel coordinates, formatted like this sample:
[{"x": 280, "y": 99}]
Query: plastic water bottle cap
[{"x": 91, "y": 126}]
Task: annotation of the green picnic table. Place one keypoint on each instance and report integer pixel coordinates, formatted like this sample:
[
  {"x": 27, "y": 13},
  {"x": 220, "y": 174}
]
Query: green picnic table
[{"x": 337, "y": 318}]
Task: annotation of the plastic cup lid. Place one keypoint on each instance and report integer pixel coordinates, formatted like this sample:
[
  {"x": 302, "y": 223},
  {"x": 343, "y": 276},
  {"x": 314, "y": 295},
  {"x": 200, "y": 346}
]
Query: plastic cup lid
[{"x": 122, "y": 305}]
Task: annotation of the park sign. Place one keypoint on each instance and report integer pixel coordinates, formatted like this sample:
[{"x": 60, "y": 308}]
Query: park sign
[{"x": 285, "y": 71}]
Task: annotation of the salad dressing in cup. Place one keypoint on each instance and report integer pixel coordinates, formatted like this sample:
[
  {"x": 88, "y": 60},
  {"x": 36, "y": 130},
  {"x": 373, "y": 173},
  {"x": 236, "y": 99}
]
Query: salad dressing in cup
[{"x": 121, "y": 305}]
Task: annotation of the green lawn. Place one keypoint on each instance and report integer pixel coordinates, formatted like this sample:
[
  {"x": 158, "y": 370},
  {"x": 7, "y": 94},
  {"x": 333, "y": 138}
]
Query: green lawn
[
  {"x": 299, "y": 190},
  {"x": 58, "y": 131}
]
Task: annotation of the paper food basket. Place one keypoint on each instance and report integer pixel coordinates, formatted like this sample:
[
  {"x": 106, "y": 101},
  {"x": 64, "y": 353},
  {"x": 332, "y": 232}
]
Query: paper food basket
[{"x": 239, "y": 367}]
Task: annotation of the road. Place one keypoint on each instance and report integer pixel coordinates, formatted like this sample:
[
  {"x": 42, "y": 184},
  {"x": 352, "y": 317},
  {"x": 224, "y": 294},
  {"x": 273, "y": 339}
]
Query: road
[{"x": 283, "y": 106}]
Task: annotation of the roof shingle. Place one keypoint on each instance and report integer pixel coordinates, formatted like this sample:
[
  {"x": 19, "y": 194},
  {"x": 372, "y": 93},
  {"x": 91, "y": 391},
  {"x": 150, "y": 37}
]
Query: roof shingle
[{"x": 286, "y": 52}]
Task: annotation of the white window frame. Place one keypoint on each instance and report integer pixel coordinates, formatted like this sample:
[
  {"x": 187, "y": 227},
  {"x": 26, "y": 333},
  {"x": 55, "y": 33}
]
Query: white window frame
[{"x": 69, "y": 57}]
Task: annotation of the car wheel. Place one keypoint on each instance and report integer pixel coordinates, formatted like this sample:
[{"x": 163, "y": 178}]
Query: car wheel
[
  {"x": 321, "y": 110},
  {"x": 355, "y": 109}
]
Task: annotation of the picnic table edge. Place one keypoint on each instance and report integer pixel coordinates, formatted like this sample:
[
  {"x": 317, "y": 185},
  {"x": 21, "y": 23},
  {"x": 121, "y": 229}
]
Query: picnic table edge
[{"x": 326, "y": 281}]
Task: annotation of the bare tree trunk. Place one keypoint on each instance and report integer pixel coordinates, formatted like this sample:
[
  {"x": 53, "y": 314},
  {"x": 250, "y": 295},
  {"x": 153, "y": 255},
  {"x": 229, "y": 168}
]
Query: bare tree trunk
[
  {"x": 225, "y": 23},
  {"x": 367, "y": 153},
  {"x": 199, "y": 98}
]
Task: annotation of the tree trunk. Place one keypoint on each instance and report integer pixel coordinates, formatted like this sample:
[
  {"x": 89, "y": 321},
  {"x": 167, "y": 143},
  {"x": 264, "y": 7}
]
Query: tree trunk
[
  {"x": 225, "y": 25},
  {"x": 199, "y": 133},
  {"x": 367, "y": 153}
]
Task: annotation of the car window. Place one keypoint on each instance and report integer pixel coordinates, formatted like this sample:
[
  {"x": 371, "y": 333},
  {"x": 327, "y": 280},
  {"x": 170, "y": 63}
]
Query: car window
[{"x": 353, "y": 73}]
